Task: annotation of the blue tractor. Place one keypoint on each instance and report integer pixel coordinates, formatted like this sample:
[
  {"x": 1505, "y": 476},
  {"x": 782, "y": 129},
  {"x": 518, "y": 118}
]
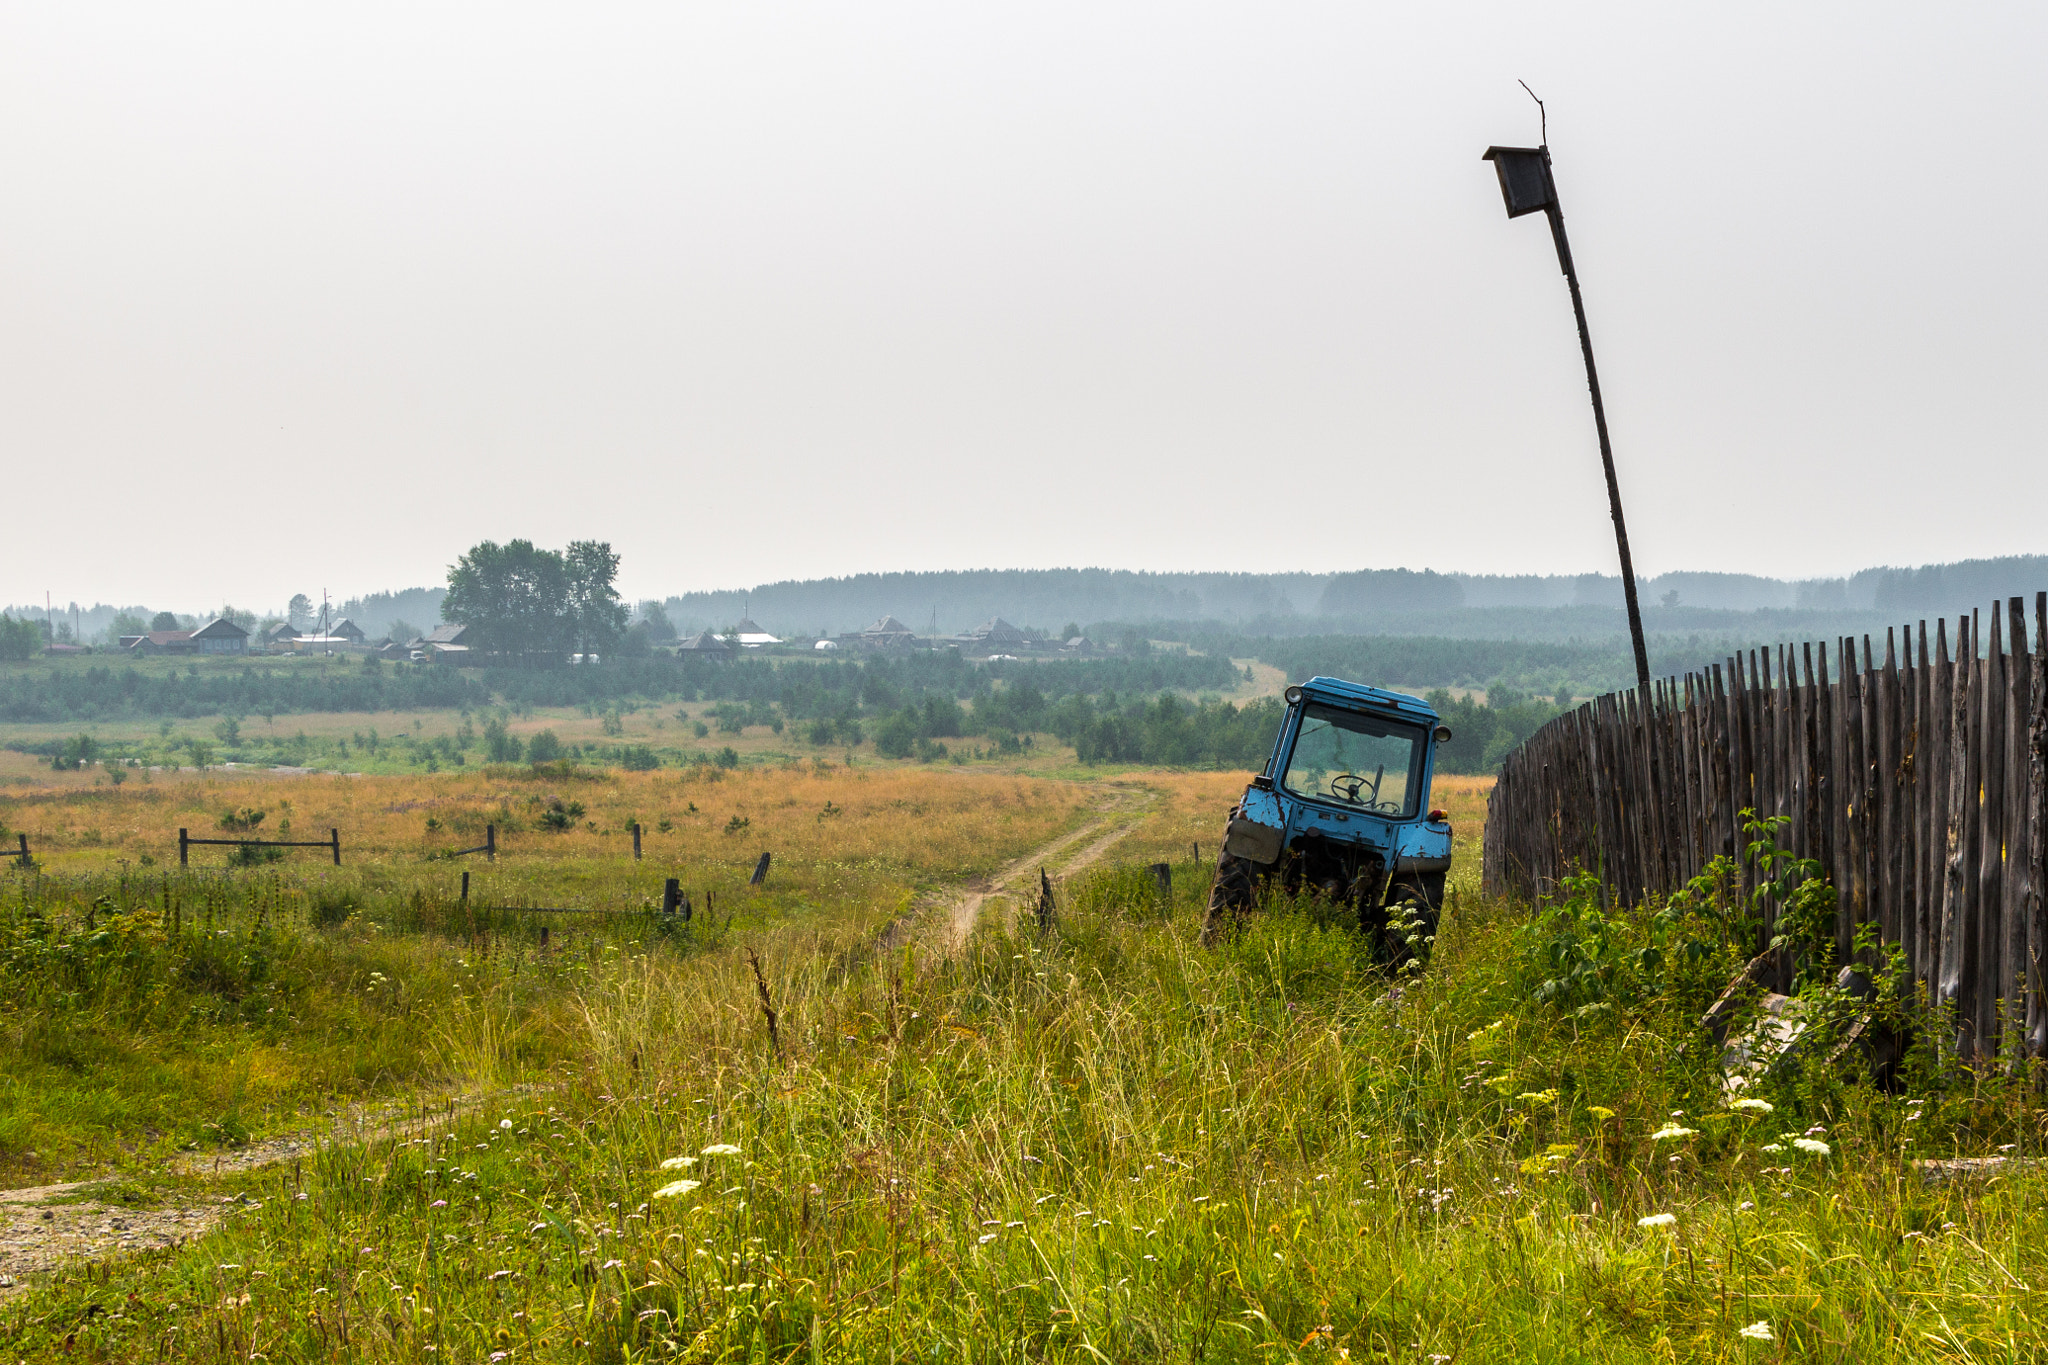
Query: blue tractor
[{"x": 1342, "y": 809}]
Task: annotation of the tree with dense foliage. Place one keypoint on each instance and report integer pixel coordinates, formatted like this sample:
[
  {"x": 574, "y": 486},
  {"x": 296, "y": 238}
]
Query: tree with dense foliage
[
  {"x": 514, "y": 598},
  {"x": 596, "y": 614},
  {"x": 164, "y": 620},
  {"x": 19, "y": 639},
  {"x": 299, "y": 611},
  {"x": 536, "y": 606}
]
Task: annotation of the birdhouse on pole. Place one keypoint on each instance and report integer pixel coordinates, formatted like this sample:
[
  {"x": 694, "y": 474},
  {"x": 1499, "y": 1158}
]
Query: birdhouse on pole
[{"x": 1525, "y": 182}]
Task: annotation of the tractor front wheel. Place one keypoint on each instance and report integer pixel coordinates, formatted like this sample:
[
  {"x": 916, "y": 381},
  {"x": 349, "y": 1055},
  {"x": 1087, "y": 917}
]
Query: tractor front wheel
[
  {"x": 1230, "y": 896},
  {"x": 1425, "y": 890}
]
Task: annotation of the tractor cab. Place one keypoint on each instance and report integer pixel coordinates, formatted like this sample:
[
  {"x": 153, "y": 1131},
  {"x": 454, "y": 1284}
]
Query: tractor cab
[{"x": 1342, "y": 806}]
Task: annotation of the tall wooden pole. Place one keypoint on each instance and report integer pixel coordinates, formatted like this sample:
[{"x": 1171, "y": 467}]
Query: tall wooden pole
[{"x": 1555, "y": 212}]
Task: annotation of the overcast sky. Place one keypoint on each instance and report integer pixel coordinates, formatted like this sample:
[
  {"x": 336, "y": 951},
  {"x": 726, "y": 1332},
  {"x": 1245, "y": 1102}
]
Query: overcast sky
[{"x": 305, "y": 296}]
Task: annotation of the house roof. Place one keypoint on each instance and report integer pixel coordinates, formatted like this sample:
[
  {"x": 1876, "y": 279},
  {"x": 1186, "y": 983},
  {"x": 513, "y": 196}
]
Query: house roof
[
  {"x": 344, "y": 627},
  {"x": 888, "y": 625},
  {"x": 997, "y": 629},
  {"x": 219, "y": 628},
  {"x": 283, "y": 630},
  {"x": 445, "y": 635},
  {"x": 706, "y": 642},
  {"x": 161, "y": 638}
]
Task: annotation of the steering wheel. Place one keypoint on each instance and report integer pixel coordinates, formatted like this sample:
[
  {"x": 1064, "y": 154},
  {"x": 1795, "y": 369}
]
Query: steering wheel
[{"x": 1348, "y": 786}]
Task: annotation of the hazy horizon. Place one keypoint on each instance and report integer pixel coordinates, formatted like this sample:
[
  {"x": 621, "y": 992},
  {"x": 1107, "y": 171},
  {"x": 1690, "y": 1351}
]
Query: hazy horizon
[
  {"x": 1374, "y": 602},
  {"x": 306, "y": 298}
]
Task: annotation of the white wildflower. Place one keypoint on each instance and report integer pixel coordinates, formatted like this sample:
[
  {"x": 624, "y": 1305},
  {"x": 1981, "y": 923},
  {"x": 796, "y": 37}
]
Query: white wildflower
[
  {"x": 679, "y": 1163},
  {"x": 1754, "y": 1105},
  {"x": 675, "y": 1188},
  {"x": 720, "y": 1149},
  {"x": 505, "y": 1124},
  {"x": 1670, "y": 1131},
  {"x": 1657, "y": 1220},
  {"x": 1757, "y": 1331},
  {"x": 1813, "y": 1145},
  {"x": 1772, "y": 1147}
]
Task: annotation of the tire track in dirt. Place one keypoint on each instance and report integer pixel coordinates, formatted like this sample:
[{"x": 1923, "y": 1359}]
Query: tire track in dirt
[
  {"x": 43, "y": 1226},
  {"x": 966, "y": 904}
]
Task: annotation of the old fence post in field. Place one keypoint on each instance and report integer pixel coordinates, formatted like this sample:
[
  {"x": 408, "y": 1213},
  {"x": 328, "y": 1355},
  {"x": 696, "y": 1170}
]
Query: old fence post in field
[
  {"x": 760, "y": 872},
  {"x": 1162, "y": 877},
  {"x": 1046, "y": 908},
  {"x": 1917, "y": 779},
  {"x": 636, "y": 841}
]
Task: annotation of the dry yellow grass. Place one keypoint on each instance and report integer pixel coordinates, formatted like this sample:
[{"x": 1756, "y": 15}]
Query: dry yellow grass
[{"x": 908, "y": 818}]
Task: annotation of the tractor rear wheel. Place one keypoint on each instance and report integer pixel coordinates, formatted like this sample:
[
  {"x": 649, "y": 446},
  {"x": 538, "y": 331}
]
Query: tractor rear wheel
[{"x": 1230, "y": 895}]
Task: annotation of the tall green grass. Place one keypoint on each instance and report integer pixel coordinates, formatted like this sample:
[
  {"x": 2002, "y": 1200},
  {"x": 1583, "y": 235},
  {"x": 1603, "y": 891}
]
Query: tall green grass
[
  {"x": 1105, "y": 1143},
  {"x": 145, "y": 1015}
]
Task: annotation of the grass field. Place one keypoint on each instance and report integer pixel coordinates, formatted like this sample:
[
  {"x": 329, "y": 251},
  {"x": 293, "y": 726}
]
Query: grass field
[{"x": 1098, "y": 1142}]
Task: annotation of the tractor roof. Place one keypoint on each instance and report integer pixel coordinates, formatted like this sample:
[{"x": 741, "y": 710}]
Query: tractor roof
[{"x": 1358, "y": 694}]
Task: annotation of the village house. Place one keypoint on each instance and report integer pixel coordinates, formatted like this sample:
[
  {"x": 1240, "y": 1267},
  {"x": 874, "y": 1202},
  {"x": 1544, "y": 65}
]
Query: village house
[
  {"x": 887, "y": 633},
  {"x": 752, "y": 636},
  {"x": 705, "y": 643},
  {"x": 445, "y": 644},
  {"x": 220, "y": 636},
  {"x": 159, "y": 642},
  {"x": 997, "y": 637}
]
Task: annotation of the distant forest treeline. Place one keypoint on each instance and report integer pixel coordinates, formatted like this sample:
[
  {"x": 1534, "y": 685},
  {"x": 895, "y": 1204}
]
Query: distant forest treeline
[
  {"x": 804, "y": 689},
  {"x": 1397, "y": 599}
]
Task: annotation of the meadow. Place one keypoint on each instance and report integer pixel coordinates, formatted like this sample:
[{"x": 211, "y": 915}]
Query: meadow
[{"x": 1087, "y": 1141}]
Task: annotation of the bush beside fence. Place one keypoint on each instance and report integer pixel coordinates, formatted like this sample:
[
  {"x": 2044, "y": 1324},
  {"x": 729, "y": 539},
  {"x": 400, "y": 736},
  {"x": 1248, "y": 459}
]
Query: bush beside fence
[{"x": 1917, "y": 780}]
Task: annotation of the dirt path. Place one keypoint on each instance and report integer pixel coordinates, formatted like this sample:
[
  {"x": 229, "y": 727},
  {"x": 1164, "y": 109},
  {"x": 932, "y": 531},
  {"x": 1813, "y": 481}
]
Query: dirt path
[
  {"x": 42, "y": 1226},
  {"x": 1115, "y": 822}
]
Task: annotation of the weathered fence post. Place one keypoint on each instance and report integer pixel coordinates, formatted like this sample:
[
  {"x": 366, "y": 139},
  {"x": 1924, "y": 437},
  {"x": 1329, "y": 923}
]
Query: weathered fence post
[
  {"x": 760, "y": 872},
  {"x": 490, "y": 843},
  {"x": 2037, "y": 836},
  {"x": 671, "y": 895},
  {"x": 1954, "y": 886},
  {"x": 1162, "y": 877},
  {"x": 636, "y": 841},
  {"x": 335, "y": 836}
]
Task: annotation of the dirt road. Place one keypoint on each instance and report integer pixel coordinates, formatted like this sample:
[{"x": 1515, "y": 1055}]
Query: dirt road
[{"x": 1113, "y": 823}]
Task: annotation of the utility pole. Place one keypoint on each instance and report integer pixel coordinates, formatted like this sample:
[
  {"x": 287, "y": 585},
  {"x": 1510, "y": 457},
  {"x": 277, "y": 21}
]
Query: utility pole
[{"x": 1526, "y": 184}]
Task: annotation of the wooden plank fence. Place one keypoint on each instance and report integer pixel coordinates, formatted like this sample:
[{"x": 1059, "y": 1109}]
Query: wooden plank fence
[{"x": 1914, "y": 774}]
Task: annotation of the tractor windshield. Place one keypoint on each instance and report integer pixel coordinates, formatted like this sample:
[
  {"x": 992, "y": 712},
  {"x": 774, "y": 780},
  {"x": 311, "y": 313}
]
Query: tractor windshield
[{"x": 1354, "y": 759}]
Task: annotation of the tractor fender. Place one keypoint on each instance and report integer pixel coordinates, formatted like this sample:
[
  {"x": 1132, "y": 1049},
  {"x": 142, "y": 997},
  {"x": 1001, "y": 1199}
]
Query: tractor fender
[
  {"x": 1258, "y": 827},
  {"x": 1422, "y": 848}
]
